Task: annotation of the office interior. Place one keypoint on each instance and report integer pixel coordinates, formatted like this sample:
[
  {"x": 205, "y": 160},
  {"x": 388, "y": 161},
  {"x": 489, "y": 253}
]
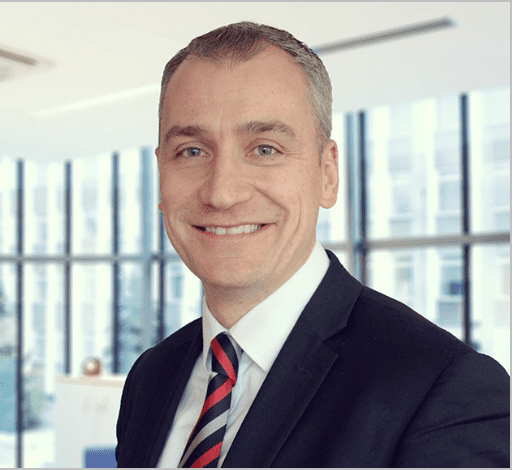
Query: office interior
[{"x": 88, "y": 278}]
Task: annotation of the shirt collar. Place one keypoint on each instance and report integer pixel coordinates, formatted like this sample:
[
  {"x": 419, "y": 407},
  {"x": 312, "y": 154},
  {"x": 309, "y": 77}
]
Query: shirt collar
[{"x": 270, "y": 322}]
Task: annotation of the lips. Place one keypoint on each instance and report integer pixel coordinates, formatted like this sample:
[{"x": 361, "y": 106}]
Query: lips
[{"x": 234, "y": 230}]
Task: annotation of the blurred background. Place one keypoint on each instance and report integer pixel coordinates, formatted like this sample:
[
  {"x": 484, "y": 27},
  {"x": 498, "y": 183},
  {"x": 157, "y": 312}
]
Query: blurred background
[{"x": 422, "y": 120}]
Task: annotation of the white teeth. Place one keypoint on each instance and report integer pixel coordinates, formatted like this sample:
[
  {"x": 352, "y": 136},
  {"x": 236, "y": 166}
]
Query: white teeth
[
  {"x": 233, "y": 230},
  {"x": 251, "y": 228}
]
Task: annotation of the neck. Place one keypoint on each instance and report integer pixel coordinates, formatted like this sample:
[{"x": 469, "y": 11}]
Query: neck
[{"x": 229, "y": 305}]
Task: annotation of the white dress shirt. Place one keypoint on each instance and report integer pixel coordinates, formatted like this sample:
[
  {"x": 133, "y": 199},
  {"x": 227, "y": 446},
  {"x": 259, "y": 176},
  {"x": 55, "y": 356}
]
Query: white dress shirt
[{"x": 261, "y": 333}]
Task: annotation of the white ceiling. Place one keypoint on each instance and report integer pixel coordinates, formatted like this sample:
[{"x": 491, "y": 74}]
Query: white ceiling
[{"x": 113, "y": 53}]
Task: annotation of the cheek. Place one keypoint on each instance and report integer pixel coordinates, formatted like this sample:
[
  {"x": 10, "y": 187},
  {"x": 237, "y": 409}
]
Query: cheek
[
  {"x": 299, "y": 195},
  {"x": 305, "y": 186},
  {"x": 173, "y": 191}
]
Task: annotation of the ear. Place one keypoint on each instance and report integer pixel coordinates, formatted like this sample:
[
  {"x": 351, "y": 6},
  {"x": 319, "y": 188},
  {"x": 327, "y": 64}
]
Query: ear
[
  {"x": 157, "y": 153},
  {"x": 329, "y": 175}
]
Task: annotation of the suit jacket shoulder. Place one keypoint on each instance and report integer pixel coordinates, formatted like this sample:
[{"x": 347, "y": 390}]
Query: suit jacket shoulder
[{"x": 364, "y": 381}]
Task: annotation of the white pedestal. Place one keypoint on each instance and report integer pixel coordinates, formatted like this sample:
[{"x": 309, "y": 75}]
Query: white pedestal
[{"x": 86, "y": 414}]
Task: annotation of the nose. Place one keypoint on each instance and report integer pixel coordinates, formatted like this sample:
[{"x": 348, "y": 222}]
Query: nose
[{"x": 225, "y": 184}]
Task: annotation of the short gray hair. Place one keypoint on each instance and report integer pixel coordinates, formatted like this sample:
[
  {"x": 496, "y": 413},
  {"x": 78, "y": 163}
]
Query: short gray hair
[{"x": 240, "y": 42}]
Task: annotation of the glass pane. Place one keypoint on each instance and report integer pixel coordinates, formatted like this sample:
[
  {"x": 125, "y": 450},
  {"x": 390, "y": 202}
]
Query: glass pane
[
  {"x": 413, "y": 169},
  {"x": 430, "y": 281},
  {"x": 43, "y": 360},
  {"x": 490, "y": 299},
  {"x": 332, "y": 223},
  {"x": 158, "y": 335},
  {"x": 92, "y": 205},
  {"x": 130, "y": 331},
  {"x": 8, "y": 358},
  {"x": 44, "y": 208},
  {"x": 489, "y": 122},
  {"x": 8, "y": 208},
  {"x": 130, "y": 201},
  {"x": 91, "y": 313},
  {"x": 182, "y": 296}
]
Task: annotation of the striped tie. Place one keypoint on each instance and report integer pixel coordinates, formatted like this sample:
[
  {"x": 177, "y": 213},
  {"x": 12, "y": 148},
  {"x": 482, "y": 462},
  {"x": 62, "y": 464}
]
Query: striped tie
[{"x": 204, "y": 444}]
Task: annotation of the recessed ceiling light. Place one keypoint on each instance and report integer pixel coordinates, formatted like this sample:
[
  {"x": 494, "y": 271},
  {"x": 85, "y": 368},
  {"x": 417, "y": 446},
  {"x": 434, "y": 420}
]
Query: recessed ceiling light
[
  {"x": 14, "y": 63},
  {"x": 397, "y": 33}
]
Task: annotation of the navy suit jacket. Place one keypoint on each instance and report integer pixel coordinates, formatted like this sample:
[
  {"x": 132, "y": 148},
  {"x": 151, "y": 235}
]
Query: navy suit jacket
[{"x": 361, "y": 381}]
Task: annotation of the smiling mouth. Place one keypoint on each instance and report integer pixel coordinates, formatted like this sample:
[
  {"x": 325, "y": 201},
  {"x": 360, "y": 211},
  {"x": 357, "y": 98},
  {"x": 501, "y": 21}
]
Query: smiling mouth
[{"x": 232, "y": 230}]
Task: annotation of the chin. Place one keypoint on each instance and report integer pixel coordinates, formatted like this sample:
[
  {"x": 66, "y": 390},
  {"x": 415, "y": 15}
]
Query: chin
[
  {"x": 236, "y": 280},
  {"x": 230, "y": 276}
]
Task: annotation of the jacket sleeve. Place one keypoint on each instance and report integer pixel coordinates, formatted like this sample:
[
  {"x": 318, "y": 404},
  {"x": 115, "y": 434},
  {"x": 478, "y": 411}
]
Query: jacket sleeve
[
  {"x": 127, "y": 398},
  {"x": 464, "y": 420}
]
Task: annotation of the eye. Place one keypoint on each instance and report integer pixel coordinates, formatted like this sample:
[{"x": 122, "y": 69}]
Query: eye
[
  {"x": 190, "y": 152},
  {"x": 266, "y": 150}
]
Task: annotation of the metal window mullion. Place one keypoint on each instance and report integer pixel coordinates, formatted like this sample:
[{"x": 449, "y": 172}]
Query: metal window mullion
[
  {"x": 465, "y": 217},
  {"x": 67, "y": 270},
  {"x": 351, "y": 212},
  {"x": 115, "y": 265},
  {"x": 374, "y": 244},
  {"x": 146, "y": 240},
  {"x": 363, "y": 247},
  {"x": 19, "y": 314},
  {"x": 160, "y": 314}
]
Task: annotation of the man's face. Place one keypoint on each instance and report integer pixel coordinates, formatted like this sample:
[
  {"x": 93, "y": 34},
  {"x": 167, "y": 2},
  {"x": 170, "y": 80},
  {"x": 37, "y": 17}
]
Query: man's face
[{"x": 240, "y": 172}]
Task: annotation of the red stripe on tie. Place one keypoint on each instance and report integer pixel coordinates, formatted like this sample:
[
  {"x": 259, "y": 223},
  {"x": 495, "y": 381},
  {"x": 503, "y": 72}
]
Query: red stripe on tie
[
  {"x": 208, "y": 457},
  {"x": 216, "y": 396},
  {"x": 223, "y": 359}
]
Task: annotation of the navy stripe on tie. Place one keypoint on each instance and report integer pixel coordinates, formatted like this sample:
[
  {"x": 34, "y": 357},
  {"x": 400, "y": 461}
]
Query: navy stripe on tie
[{"x": 204, "y": 444}]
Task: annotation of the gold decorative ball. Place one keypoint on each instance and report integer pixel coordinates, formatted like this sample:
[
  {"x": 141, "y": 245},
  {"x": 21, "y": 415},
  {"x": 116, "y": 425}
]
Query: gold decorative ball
[{"x": 91, "y": 367}]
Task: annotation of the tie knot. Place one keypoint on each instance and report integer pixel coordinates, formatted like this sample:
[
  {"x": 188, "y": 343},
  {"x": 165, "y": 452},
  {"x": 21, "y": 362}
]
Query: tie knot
[{"x": 224, "y": 357}]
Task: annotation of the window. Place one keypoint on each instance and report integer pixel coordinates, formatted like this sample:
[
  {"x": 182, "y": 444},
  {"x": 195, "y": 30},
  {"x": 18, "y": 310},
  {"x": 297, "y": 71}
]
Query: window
[
  {"x": 499, "y": 139},
  {"x": 123, "y": 289},
  {"x": 447, "y": 152},
  {"x": 38, "y": 317},
  {"x": 402, "y": 202},
  {"x": 89, "y": 195},
  {"x": 449, "y": 195},
  {"x": 40, "y": 201},
  {"x": 404, "y": 278},
  {"x": 417, "y": 202},
  {"x": 401, "y": 119},
  {"x": 489, "y": 141},
  {"x": 400, "y": 155}
]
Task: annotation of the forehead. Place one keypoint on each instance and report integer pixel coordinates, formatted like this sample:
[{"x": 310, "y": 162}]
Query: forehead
[{"x": 271, "y": 84}]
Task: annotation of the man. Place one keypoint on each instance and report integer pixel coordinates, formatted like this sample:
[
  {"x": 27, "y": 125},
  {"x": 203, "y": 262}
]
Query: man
[{"x": 294, "y": 363}]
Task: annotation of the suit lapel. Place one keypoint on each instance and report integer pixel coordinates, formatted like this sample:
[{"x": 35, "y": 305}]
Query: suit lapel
[
  {"x": 171, "y": 389},
  {"x": 297, "y": 374},
  {"x": 289, "y": 387}
]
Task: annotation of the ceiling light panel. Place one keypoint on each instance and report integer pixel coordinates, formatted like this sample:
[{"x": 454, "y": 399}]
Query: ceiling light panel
[{"x": 15, "y": 64}]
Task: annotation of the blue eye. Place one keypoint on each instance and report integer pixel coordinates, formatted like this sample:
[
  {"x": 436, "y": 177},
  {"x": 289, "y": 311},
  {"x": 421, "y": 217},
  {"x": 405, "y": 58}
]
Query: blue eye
[
  {"x": 266, "y": 150},
  {"x": 193, "y": 152},
  {"x": 190, "y": 152}
]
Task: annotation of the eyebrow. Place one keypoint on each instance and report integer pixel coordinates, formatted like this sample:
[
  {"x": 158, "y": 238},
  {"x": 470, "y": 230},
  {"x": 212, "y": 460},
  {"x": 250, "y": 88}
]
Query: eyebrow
[
  {"x": 184, "y": 131},
  {"x": 258, "y": 127},
  {"x": 251, "y": 127}
]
